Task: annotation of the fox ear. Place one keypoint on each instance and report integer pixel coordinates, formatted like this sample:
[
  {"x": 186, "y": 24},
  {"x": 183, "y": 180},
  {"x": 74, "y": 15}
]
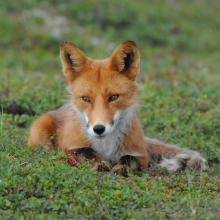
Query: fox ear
[
  {"x": 125, "y": 59},
  {"x": 73, "y": 60}
]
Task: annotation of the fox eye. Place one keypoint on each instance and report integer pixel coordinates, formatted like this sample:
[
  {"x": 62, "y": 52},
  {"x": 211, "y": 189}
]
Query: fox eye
[
  {"x": 113, "y": 98},
  {"x": 85, "y": 99}
]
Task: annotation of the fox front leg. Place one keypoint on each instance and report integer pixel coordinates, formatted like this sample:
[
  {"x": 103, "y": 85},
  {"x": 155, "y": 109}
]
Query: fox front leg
[
  {"x": 128, "y": 164},
  {"x": 88, "y": 154}
]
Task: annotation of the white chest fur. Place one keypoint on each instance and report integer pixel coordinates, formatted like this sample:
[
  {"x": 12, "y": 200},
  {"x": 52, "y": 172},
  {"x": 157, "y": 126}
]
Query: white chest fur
[{"x": 110, "y": 148}]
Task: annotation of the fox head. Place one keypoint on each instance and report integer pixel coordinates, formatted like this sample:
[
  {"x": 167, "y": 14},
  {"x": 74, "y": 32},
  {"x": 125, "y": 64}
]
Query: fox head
[{"x": 103, "y": 91}]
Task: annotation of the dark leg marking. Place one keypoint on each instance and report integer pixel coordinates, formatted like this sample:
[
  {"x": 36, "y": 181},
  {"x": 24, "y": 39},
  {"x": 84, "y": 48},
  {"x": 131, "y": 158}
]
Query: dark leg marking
[{"x": 100, "y": 163}]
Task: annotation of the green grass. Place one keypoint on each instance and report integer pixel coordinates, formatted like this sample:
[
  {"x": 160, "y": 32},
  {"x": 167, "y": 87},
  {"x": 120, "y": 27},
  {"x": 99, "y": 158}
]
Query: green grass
[{"x": 179, "y": 95}]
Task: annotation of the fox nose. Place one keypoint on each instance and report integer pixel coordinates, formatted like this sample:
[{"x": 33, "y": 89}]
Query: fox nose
[{"x": 99, "y": 129}]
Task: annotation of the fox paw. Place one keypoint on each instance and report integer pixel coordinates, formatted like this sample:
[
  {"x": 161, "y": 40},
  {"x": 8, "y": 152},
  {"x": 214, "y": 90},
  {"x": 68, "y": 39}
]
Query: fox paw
[
  {"x": 180, "y": 161},
  {"x": 102, "y": 166},
  {"x": 124, "y": 170}
]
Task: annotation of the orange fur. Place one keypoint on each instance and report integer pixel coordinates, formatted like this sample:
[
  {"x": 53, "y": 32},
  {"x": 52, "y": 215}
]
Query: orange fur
[{"x": 104, "y": 96}]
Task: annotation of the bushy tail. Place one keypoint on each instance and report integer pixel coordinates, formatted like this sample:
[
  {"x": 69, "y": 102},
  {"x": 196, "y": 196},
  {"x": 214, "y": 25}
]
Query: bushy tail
[{"x": 172, "y": 157}]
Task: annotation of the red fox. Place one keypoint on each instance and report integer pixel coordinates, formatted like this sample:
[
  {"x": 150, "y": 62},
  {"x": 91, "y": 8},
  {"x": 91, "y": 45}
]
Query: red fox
[{"x": 99, "y": 122}]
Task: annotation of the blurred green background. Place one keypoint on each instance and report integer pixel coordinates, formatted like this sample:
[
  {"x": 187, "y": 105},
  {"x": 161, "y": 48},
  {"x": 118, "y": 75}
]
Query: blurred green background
[{"x": 31, "y": 30}]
